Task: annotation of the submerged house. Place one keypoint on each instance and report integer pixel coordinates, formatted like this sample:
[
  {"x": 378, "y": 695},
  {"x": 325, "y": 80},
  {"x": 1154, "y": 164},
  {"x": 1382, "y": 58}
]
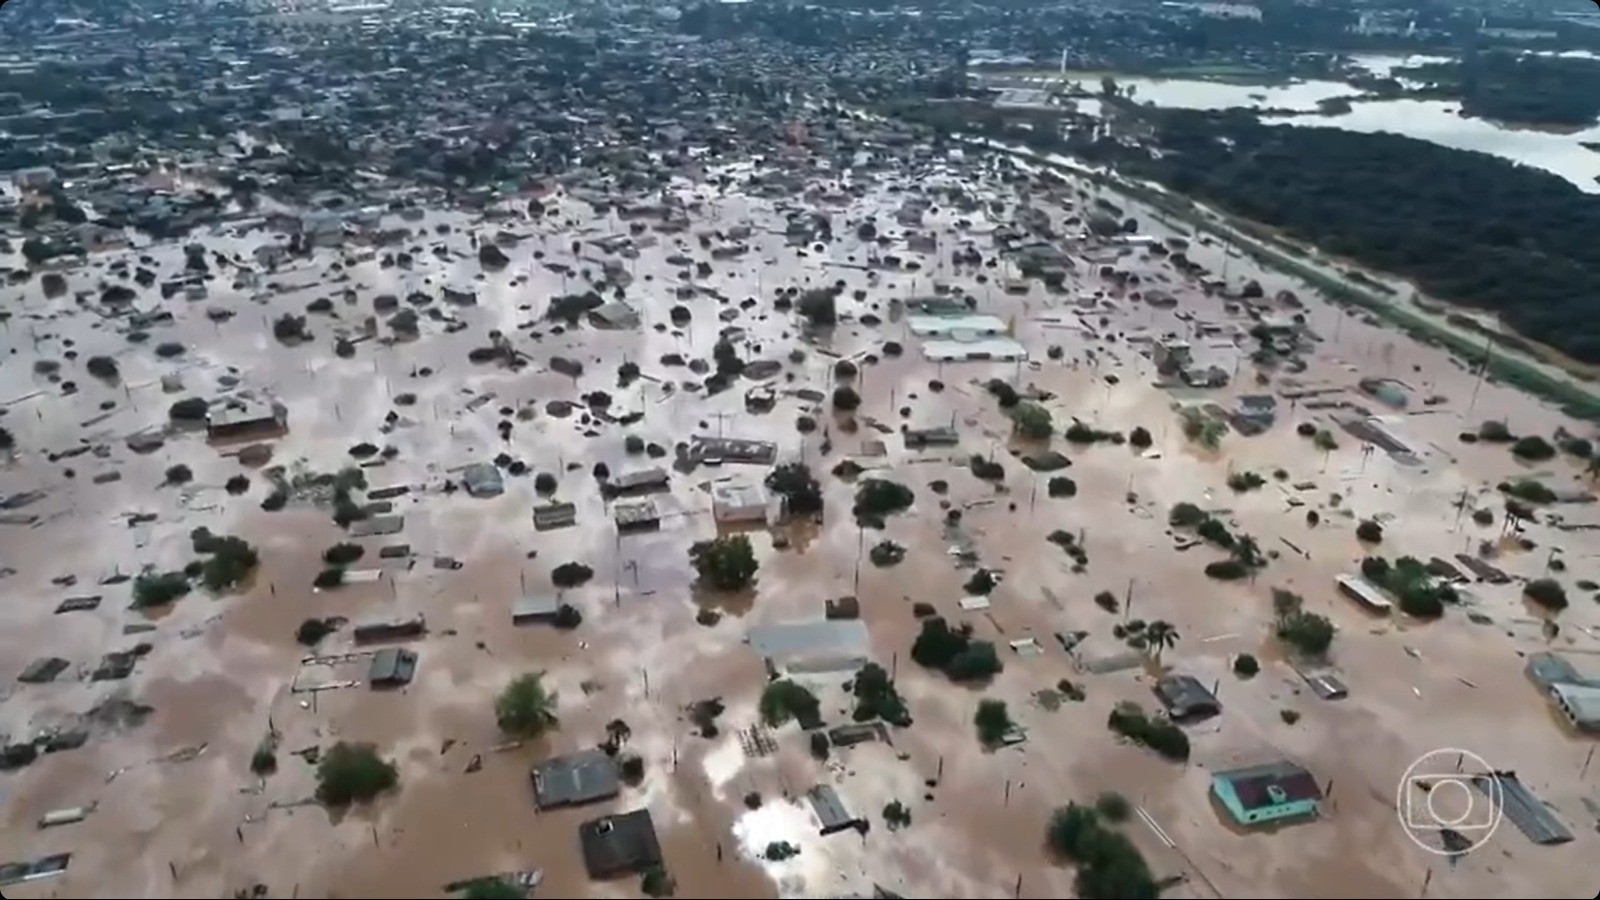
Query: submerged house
[
  {"x": 1272, "y": 792},
  {"x": 1186, "y": 699},
  {"x": 392, "y": 667},
  {"x": 240, "y": 419},
  {"x": 483, "y": 480},
  {"x": 554, "y": 515},
  {"x": 734, "y": 501},
  {"x": 536, "y": 608},
  {"x": 575, "y": 779},
  {"x": 1580, "y": 704},
  {"x": 620, "y": 844},
  {"x": 941, "y": 436}
]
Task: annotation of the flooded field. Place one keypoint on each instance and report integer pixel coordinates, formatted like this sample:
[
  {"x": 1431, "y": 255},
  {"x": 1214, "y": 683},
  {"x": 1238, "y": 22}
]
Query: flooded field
[{"x": 176, "y": 810}]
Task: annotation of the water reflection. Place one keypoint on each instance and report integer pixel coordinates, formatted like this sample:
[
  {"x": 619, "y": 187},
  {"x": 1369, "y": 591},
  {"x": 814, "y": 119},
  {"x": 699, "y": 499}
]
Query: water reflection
[
  {"x": 1561, "y": 153},
  {"x": 1194, "y": 94},
  {"x": 1438, "y": 121}
]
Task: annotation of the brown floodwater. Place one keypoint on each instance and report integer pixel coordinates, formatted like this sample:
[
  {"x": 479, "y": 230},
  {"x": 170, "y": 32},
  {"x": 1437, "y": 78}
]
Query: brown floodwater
[{"x": 220, "y": 669}]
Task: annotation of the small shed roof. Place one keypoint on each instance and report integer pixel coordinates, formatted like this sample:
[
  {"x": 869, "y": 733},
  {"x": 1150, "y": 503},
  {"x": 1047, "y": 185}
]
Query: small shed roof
[
  {"x": 392, "y": 665},
  {"x": 1185, "y": 697},
  {"x": 535, "y": 606},
  {"x": 377, "y": 525},
  {"x": 615, "y": 314},
  {"x": 483, "y": 480},
  {"x": 1365, "y": 592},
  {"x": 241, "y": 413},
  {"x": 653, "y": 476},
  {"x": 554, "y": 515}
]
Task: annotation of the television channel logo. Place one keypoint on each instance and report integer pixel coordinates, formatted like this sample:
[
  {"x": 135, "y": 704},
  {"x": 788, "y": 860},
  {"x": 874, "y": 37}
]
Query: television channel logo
[{"x": 1449, "y": 801}]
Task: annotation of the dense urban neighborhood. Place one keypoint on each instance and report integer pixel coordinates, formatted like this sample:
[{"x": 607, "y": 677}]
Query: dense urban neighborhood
[{"x": 861, "y": 448}]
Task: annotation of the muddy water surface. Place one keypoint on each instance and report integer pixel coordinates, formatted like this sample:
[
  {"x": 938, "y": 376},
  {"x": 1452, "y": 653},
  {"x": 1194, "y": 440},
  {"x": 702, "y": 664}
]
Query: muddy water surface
[{"x": 219, "y": 670}]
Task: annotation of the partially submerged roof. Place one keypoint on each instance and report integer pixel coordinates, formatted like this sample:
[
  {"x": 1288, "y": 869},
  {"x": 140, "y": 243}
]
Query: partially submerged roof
[
  {"x": 1525, "y": 810},
  {"x": 738, "y": 495},
  {"x": 483, "y": 480},
  {"x": 392, "y": 665},
  {"x": 1326, "y": 685},
  {"x": 554, "y": 515},
  {"x": 1270, "y": 784},
  {"x": 615, "y": 314},
  {"x": 535, "y": 606},
  {"x": 43, "y": 670},
  {"x": 639, "y": 479},
  {"x": 984, "y": 348},
  {"x": 377, "y": 525},
  {"x": 709, "y": 449},
  {"x": 1547, "y": 669},
  {"x": 240, "y": 414},
  {"x": 619, "y": 844},
  {"x": 830, "y": 809},
  {"x": 635, "y": 513},
  {"x": 942, "y": 435},
  {"x": 1582, "y": 703},
  {"x": 574, "y": 779},
  {"x": 825, "y": 645},
  {"x": 1365, "y": 592},
  {"x": 1185, "y": 697},
  {"x": 398, "y": 627},
  {"x": 926, "y": 326}
]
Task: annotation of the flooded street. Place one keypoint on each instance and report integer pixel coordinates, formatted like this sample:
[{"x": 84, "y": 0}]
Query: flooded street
[{"x": 220, "y": 671}]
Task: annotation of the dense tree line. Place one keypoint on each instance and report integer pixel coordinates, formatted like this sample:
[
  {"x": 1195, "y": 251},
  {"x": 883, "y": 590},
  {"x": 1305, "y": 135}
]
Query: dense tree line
[
  {"x": 1523, "y": 88},
  {"x": 1466, "y": 227}
]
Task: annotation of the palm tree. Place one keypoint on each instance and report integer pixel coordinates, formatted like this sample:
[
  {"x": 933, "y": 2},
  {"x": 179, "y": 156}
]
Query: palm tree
[
  {"x": 526, "y": 708},
  {"x": 1158, "y": 636}
]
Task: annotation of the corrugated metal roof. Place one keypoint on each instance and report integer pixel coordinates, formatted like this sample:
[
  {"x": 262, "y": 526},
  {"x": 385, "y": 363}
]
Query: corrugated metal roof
[
  {"x": 986, "y": 348},
  {"x": 377, "y": 525},
  {"x": 640, "y": 478},
  {"x": 535, "y": 606},
  {"x": 1582, "y": 703},
  {"x": 929, "y": 326},
  {"x": 844, "y": 641},
  {"x": 1364, "y": 591},
  {"x": 244, "y": 414},
  {"x": 392, "y": 665},
  {"x": 1523, "y": 808},
  {"x": 830, "y": 809},
  {"x": 1547, "y": 669},
  {"x": 582, "y": 777}
]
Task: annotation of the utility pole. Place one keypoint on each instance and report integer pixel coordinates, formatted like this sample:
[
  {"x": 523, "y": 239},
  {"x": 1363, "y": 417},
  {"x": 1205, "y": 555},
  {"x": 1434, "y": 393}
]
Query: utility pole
[{"x": 1483, "y": 368}]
